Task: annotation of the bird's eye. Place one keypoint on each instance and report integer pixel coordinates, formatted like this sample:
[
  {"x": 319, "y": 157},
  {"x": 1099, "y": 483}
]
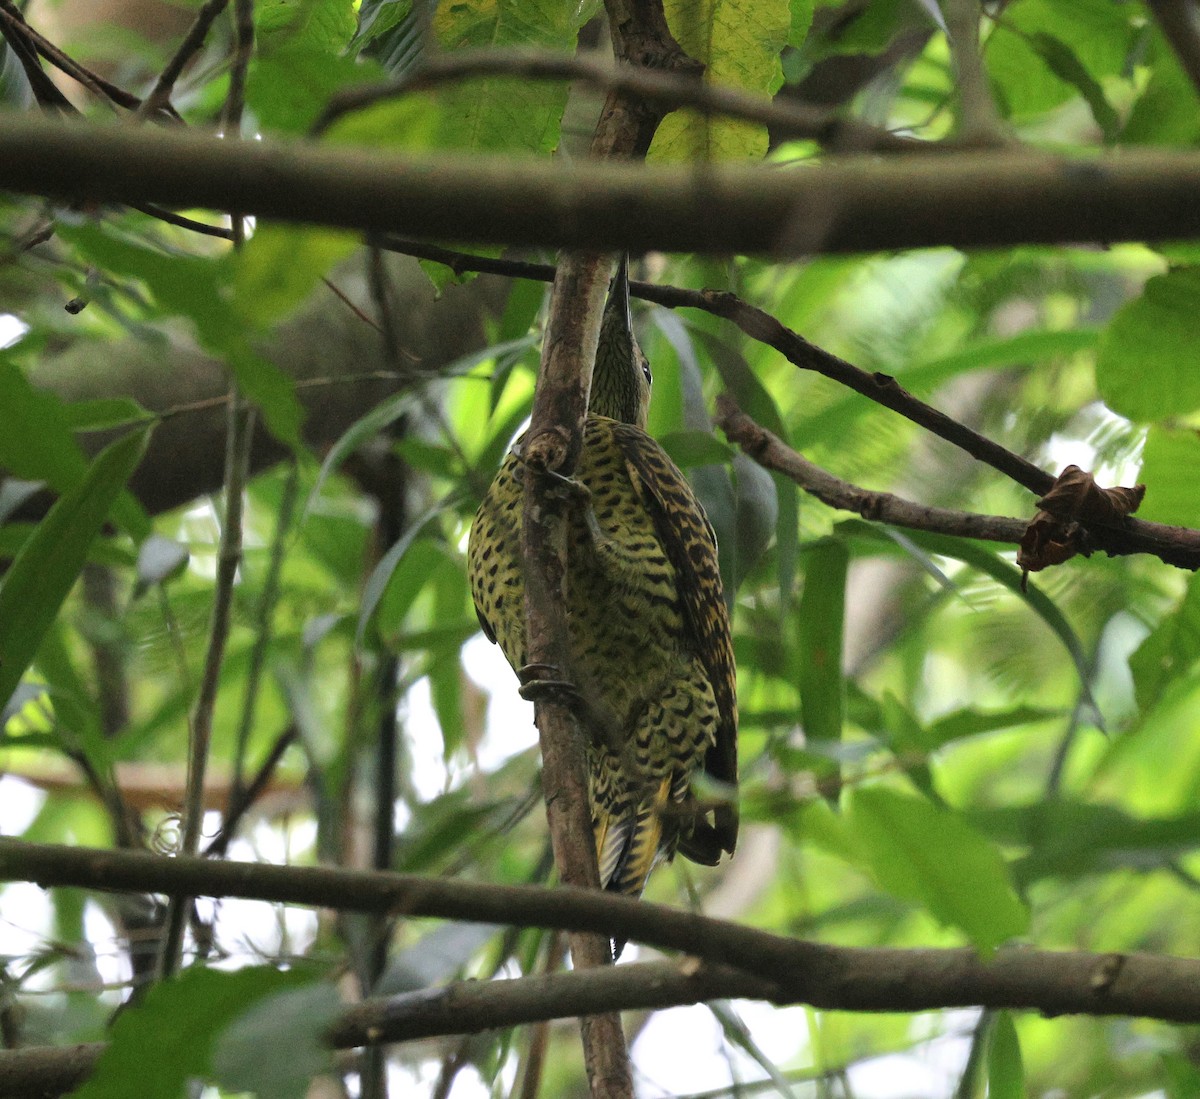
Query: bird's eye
[{"x": 646, "y": 373}]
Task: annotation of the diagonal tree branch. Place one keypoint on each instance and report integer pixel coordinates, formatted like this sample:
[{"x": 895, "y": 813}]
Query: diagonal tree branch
[
  {"x": 1179, "y": 546},
  {"x": 879, "y": 507}
]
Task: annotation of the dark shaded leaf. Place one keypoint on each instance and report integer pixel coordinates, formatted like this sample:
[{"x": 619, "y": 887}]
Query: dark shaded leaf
[{"x": 48, "y": 564}]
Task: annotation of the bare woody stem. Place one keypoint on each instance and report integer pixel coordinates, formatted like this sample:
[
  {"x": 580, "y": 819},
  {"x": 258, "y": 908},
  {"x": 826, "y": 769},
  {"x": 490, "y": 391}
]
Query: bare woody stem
[{"x": 772, "y": 966}]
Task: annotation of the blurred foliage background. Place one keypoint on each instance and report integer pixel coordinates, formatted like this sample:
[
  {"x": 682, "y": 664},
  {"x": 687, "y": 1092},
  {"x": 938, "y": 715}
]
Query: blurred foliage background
[{"x": 929, "y": 755}]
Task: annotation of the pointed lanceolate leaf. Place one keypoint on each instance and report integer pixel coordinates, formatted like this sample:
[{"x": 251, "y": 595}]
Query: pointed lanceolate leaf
[
  {"x": 821, "y": 618},
  {"x": 1005, "y": 1070},
  {"x": 49, "y": 563},
  {"x": 932, "y": 857}
]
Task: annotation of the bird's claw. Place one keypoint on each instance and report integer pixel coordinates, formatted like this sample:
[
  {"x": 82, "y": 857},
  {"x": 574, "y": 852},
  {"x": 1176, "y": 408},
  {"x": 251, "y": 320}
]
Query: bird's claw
[{"x": 539, "y": 684}]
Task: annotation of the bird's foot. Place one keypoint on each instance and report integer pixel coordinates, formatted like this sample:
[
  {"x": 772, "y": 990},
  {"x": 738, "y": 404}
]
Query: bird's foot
[{"x": 544, "y": 682}]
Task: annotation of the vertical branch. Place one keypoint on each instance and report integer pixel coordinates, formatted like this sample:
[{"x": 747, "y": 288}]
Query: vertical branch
[
  {"x": 262, "y": 638},
  {"x": 237, "y": 456},
  {"x": 979, "y": 121},
  {"x": 238, "y": 435},
  {"x": 553, "y": 442}
]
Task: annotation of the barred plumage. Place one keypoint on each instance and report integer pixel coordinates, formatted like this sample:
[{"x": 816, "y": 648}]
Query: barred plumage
[{"x": 649, "y": 656}]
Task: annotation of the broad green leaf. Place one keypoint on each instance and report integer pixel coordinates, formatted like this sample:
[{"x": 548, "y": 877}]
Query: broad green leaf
[
  {"x": 291, "y": 1023},
  {"x": 819, "y": 624},
  {"x": 757, "y": 504},
  {"x": 968, "y": 723},
  {"x": 377, "y": 17},
  {"x": 45, "y": 570},
  {"x": 1026, "y": 85},
  {"x": 280, "y": 265},
  {"x": 37, "y": 443},
  {"x": 1168, "y": 110},
  {"x": 381, "y": 575},
  {"x": 739, "y": 42},
  {"x": 1068, "y": 838},
  {"x": 169, "y": 1037},
  {"x": 1061, "y": 60},
  {"x": 934, "y": 858},
  {"x": 504, "y": 113},
  {"x": 300, "y": 60},
  {"x": 1169, "y": 462},
  {"x": 1169, "y": 651},
  {"x": 1145, "y": 367},
  {"x": 1005, "y": 1071},
  {"x": 105, "y": 413}
]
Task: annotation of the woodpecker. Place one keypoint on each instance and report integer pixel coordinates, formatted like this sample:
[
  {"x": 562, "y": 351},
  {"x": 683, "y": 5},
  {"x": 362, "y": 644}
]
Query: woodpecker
[{"x": 649, "y": 660}]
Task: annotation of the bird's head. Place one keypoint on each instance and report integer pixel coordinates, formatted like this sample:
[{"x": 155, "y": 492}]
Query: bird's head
[{"x": 621, "y": 381}]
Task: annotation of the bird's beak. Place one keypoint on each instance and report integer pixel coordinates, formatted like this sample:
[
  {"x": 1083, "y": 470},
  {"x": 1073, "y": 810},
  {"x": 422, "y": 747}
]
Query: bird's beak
[{"x": 619, "y": 295}]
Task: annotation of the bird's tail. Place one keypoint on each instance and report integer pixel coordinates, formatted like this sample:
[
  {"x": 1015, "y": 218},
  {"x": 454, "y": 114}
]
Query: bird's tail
[{"x": 630, "y": 839}]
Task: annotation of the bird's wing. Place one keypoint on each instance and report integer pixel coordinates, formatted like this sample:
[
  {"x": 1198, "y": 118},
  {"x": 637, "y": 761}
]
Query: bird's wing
[{"x": 690, "y": 544}]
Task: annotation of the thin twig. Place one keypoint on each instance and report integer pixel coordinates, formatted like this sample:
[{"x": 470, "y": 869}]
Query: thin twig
[
  {"x": 239, "y": 432},
  {"x": 263, "y": 631},
  {"x": 236, "y": 809},
  {"x": 96, "y": 84},
  {"x": 160, "y": 97},
  {"x": 666, "y": 90},
  {"x": 880, "y": 507},
  {"x": 1179, "y": 546}
]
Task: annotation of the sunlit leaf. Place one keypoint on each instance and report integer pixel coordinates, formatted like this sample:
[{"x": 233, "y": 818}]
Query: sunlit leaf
[
  {"x": 1145, "y": 364},
  {"x": 932, "y": 857}
]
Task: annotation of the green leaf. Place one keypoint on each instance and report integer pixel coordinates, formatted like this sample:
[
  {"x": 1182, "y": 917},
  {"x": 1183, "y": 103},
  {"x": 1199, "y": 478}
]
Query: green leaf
[
  {"x": 1026, "y": 82},
  {"x": 496, "y": 112},
  {"x": 105, "y": 413},
  {"x": 1145, "y": 367},
  {"x": 930, "y": 856},
  {"x": 292, "y": 1025},
  {"x": 1062, "y": 61},
  {"x": 45, "y": 570},
  {"x": 696, "y": 448},
  {"x": 37, "y": 443},
  {"x": 300, "y": 60},
  {"x": 1006, "y": 1073},
  {"x": 280, "y": 265},
  {"x": 169, "y": 1037},
  {"x": 198, "y": 290},
  {"x": 1169, "y": 651},
  {"x": 1169, "y": 462},
  {"x": 820, "y": 622},
  {"x": 1168, "y": 110},
  {"x": 739, "y": 42},
  {"x": 381, "y": 575},
  {"x": 1070, "y": 839}
]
